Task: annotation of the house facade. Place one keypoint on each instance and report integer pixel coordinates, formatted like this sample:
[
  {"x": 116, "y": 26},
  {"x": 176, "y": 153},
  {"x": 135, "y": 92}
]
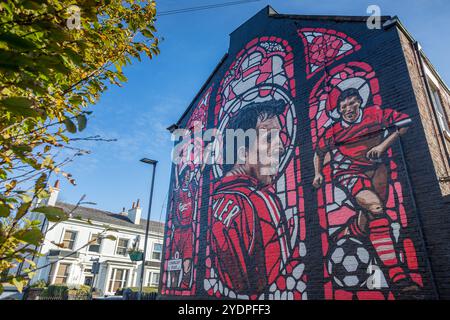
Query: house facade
[
  {"x": 92, "y": 248},
  {"x": 358, "y": 206}
]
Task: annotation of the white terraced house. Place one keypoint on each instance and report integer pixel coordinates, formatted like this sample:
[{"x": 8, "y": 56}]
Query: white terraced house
[{"x": 116, "y": 270}]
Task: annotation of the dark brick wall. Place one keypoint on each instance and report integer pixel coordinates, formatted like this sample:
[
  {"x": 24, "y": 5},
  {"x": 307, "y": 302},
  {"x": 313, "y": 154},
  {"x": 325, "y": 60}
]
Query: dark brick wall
[
  {"x": 427, "y": 166},
  {"x": 416, "y": 156}
]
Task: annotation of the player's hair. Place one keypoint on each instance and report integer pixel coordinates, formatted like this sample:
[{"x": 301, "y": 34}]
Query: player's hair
[
  {"x": 247, "y": 118},
  {"x": 347, "y": 93}
]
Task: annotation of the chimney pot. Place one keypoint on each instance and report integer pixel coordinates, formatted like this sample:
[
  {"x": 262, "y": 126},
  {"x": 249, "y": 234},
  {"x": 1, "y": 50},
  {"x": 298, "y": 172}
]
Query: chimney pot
[
  {"x": 137, "y": 204},
  {"x": 54, "y": 192},
  {"x": 134, "y": 214}
]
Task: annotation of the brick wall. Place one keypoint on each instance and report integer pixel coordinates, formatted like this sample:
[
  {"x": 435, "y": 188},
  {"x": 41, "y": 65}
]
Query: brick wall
[
  {"x": 431, "y": 127},
  {"x": 232, "y": 235},
  {"x": 433, "y": 205}
]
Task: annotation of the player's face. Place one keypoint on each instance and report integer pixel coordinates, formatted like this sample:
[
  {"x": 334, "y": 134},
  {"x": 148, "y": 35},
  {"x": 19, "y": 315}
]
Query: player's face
[
  {"x": 269, "y": 146},
  {"x": 186, "y": 179},
  {"x": 350, "y": 109}
]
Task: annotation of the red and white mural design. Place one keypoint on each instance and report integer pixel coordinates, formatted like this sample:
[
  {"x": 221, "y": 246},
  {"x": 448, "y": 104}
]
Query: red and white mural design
[
  {"x": 359, "y": 197},
  {"x": 257, "y": 227},
  {"x": 256, "y": 231},
  {"x": 324, "y": 47},
  {"x": 183, "y": 225}
]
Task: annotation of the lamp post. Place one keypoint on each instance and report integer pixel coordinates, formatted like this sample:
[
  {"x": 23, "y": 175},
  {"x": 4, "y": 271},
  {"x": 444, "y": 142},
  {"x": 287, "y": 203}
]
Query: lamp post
[{"x": 141, "y": 280}]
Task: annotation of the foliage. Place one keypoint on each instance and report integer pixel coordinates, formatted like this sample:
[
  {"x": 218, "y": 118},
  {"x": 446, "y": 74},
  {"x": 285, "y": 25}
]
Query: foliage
[
  {"x": 144, "y": 289},
  {"x": 56, "y": 291},
  {"x": 39, "y": 284},
  {"x": 79, "y": 292},
  {"x": 56, "y": 58}
]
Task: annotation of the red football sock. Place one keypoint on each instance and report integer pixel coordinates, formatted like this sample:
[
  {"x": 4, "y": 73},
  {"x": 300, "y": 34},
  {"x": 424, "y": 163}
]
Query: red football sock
[{"x": 381, "y": 239}]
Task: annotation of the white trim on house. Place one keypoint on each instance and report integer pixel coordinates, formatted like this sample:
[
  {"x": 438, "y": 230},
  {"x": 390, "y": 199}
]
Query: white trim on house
[{"x": 106, "y": 256}]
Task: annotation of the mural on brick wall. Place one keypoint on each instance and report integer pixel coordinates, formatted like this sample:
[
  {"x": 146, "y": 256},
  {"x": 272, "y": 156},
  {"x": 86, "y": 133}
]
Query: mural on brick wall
[
  {"x": 323, "y": 47},
  {"x": 253, "y": 225},
  {"x": 360, "y": 197},
  {"x": 183, "y": 226},
  {"x": 257, "y": 226}
]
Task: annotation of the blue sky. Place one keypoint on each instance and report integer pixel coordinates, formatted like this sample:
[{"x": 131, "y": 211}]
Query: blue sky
[{"x": 159, "y": 90}]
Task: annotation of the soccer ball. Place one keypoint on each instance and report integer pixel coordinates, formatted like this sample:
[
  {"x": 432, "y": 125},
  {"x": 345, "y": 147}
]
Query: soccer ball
[{"x": 348, "y": 263}]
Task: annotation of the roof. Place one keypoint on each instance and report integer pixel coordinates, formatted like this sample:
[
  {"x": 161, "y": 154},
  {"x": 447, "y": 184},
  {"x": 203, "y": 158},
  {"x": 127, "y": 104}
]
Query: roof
[
  {"x": 113, "y": 219},
  {"x": 272, "y": 13}
]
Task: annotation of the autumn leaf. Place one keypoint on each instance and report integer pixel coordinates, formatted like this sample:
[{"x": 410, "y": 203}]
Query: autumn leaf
[{"x": 53, "y": 214}]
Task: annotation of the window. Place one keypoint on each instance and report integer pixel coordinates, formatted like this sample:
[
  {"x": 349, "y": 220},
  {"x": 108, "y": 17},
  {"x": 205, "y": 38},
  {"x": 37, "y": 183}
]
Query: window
[
  {"x": 153, "y": 279},
  {"x": 95, "y": 243},
  {"x": 442, "y": 118},
  {"x": 157, "y": 251},
  {"x": 122, "y": 247},
  {"x": 69, "y": 239},
  {"x": 118, "y": 280},
  {"x": 88, "y": 280},
  {"x": 62, "y": 274}
]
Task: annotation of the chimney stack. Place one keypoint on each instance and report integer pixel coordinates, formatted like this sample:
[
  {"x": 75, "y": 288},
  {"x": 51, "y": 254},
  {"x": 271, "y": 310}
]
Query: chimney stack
[
  {"x": 54, "y": 191},
  {"x": 134, "y": 214}
]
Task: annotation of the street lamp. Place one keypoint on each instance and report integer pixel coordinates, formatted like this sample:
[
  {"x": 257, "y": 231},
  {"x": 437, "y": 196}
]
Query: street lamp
[{"x": 141, "y": 280}]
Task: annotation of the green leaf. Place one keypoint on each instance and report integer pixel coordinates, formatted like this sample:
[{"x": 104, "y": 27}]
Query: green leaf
[
  {"x": 76, "y": 100},
  {"x": 121, "y": 77},
  {"x": 23, "y": 209},
  {"x": 110, "y": 237},
  {"x": 16, "y": 102},
  {"x": 53, "y": 214},
  {"x": 32, "y": 236},
  {"x": 17, "y": 42},
  {"x": 82, "y": 120},
  {"x": 147, "y": 33},
  {"x": 70, "y": 126},
  {"x": 18, "y": 105},
  {"x": 41, "y": 182},
  {"x": 5, "y": 211}
]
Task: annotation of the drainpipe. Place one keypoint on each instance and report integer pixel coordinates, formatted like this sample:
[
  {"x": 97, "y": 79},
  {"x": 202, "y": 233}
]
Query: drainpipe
[
  {"x": 416, "y": 210},
  {"x": 419, "y": 59}
]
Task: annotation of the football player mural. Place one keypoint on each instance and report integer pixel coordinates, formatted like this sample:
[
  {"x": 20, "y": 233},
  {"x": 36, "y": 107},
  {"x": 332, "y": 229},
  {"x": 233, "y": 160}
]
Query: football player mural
[
  {"x": 183, "y": 230},
  {"x": 237, "y": 225},
  {"x": 360, "y": 199},
  {"x": 255, "y": 240}
]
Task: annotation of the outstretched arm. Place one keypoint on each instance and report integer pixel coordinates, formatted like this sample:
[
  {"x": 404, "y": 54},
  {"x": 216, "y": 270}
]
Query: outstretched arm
[
  {"x": 318, "y": 161},
  {"x": 377, "y": 151}
]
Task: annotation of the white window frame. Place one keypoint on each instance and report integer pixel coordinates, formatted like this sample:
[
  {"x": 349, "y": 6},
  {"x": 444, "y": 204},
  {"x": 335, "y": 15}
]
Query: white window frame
[
  {"x": 440, "y": 112},
  {"x": 100, "y": 245},
  {"x": 437, "y": 104},
  {"x": 55, "y": 275},
  {"x": 150, "y": 277},
  {"x": 117, "y": 247},
  {"x": 112, "y": 278},
  {"x": 74, "y": 240},
  {"x": 160, "y": 252}
]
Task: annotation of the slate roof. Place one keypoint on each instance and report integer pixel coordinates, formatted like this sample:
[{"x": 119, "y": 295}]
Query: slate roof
[{"x": 113, "y": 219}]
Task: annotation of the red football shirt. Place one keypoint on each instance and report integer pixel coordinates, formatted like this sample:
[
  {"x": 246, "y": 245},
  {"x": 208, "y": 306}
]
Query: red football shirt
[
  {"x": 354, "y": 140},
  {"x": 248, "y": 234},
  {"x": 184, "y": 206}
]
